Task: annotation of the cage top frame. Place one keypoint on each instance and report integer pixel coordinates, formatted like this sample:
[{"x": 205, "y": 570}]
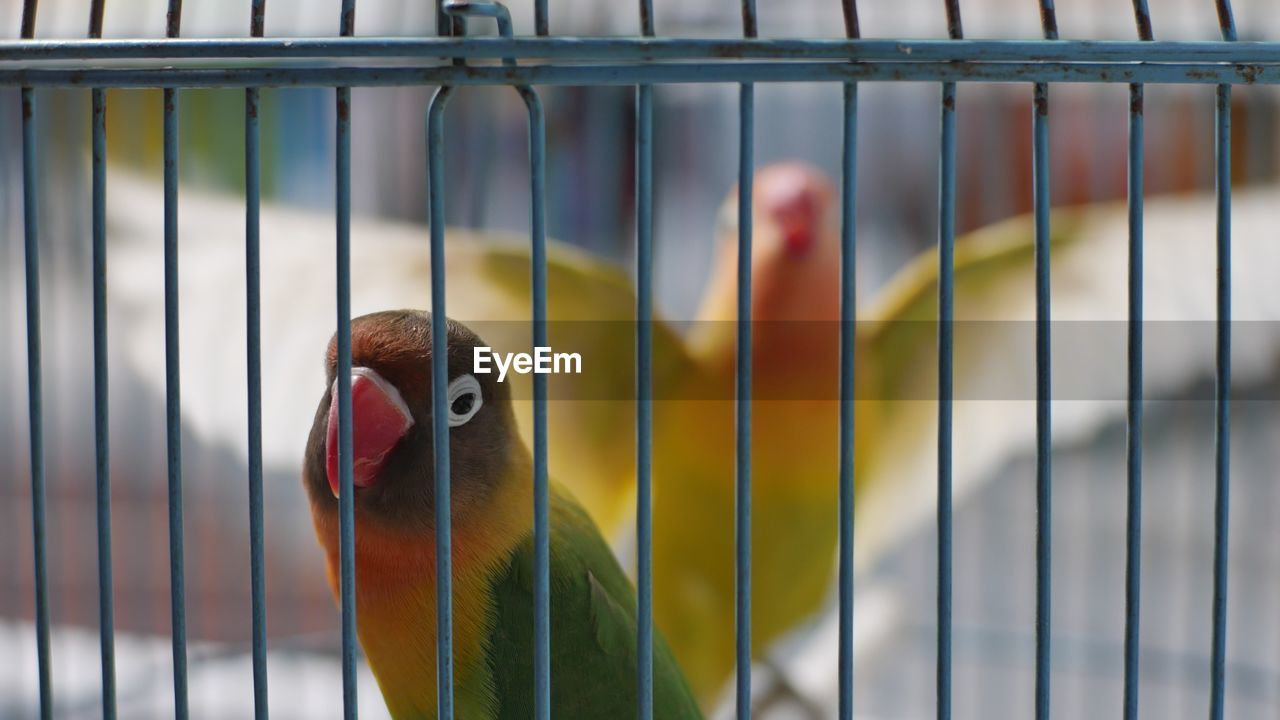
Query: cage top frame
[{"x": 346, "y": 59}]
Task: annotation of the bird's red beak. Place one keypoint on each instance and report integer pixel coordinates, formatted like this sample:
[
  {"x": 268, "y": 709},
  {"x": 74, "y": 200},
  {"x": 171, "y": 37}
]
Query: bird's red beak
[{"x": 381, "y": 419}]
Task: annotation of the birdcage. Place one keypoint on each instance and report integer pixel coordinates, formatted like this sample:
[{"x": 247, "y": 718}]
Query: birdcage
[{"x": 458, "y": 59}]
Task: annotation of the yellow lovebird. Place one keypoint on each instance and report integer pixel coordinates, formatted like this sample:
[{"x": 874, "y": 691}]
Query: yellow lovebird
[
  {"x": 795, "y": 303},
  {"x": 592, "y": 604},
  {"x": 795, "y": 417}
]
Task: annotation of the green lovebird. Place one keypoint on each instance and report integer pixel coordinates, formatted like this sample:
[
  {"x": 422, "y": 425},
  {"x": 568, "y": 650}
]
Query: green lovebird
[{"x": 593, "y": 605}]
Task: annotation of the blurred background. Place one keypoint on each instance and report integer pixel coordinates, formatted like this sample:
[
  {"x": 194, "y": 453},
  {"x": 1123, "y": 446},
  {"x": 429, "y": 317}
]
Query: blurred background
[{"x": 590, "y": 204}]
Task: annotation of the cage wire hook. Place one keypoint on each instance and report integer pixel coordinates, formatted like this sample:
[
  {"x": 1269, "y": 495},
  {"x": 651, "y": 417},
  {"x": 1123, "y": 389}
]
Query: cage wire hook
[
  {"x": 457, "y": 12},
  {"x": 461, "y": 9}
]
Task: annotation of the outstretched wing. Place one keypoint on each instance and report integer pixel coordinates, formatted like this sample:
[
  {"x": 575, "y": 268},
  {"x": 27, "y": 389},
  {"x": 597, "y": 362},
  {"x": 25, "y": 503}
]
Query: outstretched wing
[{"x": 994, "y": 358}]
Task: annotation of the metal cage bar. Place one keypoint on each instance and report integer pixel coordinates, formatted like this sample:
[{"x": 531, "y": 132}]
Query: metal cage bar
[
  {"x": 35, "y": 385},
  {"x": 253, "y": 374},
  {"x": 445, "y": 25},
  {"x": 742, "y": 384},
  {"x": 101, "y": 418},
  {"x": 346, "y": 439},
  {"x": 644, "y": 385},
  {"x": 946, "y": 346},
  {"x": 541, "y": 499},
  {"x": 592, "y": 50},
  {"x": 455, "y": 12},
  {"x": 1243, "y": 71},
  {"x": 439, "y": 407},
  {"x": 173, "y": 385},
  {"x": 1222, "y": 411},
  {"x": 1044, "y": 433},
  {"x": 1134, "y": 409},
  {"x": 848, "y": 318}
]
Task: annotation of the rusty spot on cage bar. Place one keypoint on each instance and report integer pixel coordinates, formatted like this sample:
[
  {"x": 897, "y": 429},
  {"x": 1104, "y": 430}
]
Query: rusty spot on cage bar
[
  {"x": 173, "y": 19},
  {"x": 344, "y": 108},
  {"x": 954, "y": 29},
  {"x": 949, "y": 102},
  {"x": 749, "y": 27},
  {"x": 1143, "y": 17},
  {"x": 95, "y": 18},
  {"x": 1042, "y": 102},
  {"x": 1250, "y": 73},
  {"x": 851, "y": 27},
  {"x": 348, "y": 22},
  {"x": 1225, "y": 19},
  {"x": 28, "y": 19},
  {"x": 1048, "y": 20},
  {"x": 257, "y": 20},
  {"x": 646, "y": 18},
  {"x": 1136, "y": 101}
]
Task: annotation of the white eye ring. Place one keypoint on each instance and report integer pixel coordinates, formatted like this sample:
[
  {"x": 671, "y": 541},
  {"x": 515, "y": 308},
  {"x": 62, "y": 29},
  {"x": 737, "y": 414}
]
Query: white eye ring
[{"x": 462, "y": 386}]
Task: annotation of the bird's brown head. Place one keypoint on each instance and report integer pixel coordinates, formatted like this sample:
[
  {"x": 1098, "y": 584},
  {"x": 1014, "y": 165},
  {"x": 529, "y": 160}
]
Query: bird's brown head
[
  {"x": 795, "y": 271},
  {"x": 391, "y": 406},
  {"x": 793, "y": 208},
  {"x": 795, "y": 247}
]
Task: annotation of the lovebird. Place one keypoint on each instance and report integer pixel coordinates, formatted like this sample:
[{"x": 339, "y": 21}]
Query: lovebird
[
  {"x": 795, "y": 311},
  {"x": 593, "y": 615}
]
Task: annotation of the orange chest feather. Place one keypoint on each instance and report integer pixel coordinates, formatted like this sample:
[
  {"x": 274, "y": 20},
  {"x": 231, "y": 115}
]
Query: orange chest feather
[{"x": 396, "y": 604}]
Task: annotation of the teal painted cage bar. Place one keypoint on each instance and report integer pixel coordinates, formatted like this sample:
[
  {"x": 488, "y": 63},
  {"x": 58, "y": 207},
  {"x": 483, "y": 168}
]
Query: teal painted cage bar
[{"x": 543, "y": 59}]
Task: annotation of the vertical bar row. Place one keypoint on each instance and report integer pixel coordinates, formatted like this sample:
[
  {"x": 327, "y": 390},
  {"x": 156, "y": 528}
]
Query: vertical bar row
[
  {"x": 102, "y": 443},
  {"x": 1222, "y": 426},
  {"x": 1044, "y": 434},
  {"x": 742, "y": 379},
  {"x": 848, "y": 317},
  {"x": 346, "y": 492},
  {"x": 35, "y": 396},
  {"x": 541, "y": 520},
  {"x": 1133, "y": 440},
  {"x": 946, "y": 313},
  {"x": 173, "y": 402},
  {"x": 253, "y": 313},
  {"x": 439, "y": 404},
  {"x": 644, "y": 384}
]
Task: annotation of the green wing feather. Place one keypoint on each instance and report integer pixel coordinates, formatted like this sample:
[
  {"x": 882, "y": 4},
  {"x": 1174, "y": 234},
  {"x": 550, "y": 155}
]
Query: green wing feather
[{"x": 593, "y": 631}]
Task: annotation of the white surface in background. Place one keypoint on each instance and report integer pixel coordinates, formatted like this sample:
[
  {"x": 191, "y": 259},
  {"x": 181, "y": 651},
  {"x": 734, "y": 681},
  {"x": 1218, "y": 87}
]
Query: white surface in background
[
  {"x": 811, "y": 658},
  {"x": 309, "y": 685},
  {"x": 220, "y": 679}
]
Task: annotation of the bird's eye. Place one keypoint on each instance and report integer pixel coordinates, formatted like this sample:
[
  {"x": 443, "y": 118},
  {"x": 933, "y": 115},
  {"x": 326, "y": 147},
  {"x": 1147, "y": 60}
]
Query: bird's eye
[{"x": 465, "y": 400}]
